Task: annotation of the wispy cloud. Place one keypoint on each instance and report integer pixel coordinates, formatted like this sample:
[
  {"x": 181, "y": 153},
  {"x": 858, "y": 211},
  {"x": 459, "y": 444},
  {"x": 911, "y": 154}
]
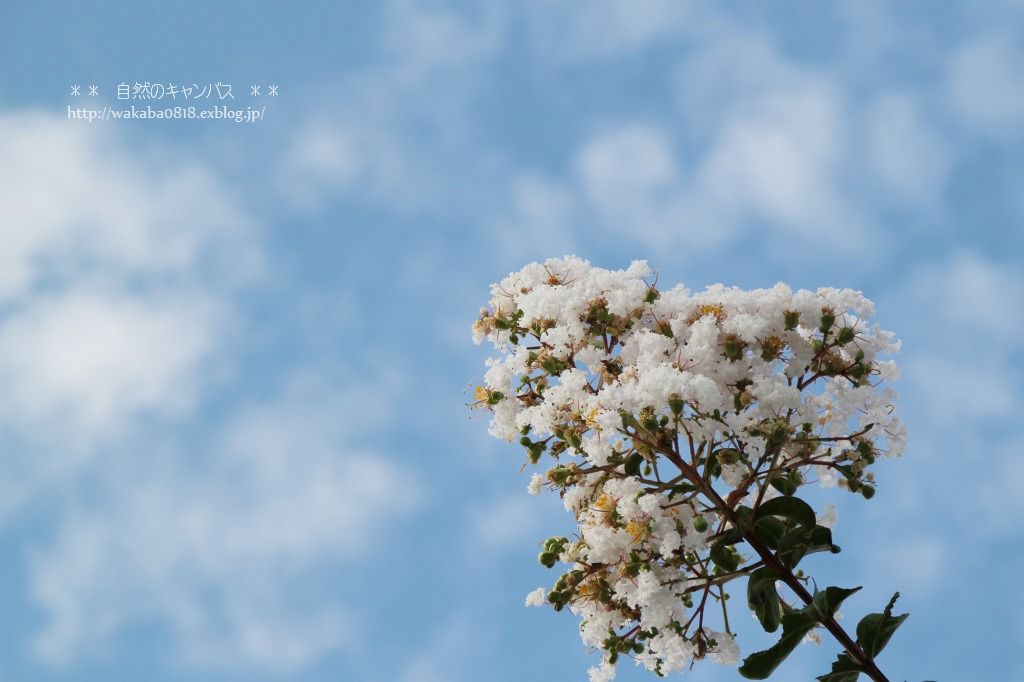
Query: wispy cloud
[
  {"x": 985, "y": 84},
  {"x": 905, "y": 150},
  {"x": 116, "y": 276},
  {"x": 604, "y": 29},
  {"x": 425, "y": 67},
  {"x": 121, "y": 293},
  {"x": 221, "y": 547},
  {"x": 91, "y": 360}
]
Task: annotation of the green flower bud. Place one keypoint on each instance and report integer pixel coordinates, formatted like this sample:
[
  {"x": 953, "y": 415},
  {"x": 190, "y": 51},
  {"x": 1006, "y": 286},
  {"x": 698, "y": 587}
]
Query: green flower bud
[
  {"x": 827, "y": 320},
  {"x": 845, "y": 336},
  {"x": 652, "y": 295},
  {"x": 559, "y": 475},
  {"x": 792, "y": 319},
  {"x": 733, "y": 350},
  {"x": 554, "y": 544},
  {"x": 700, "y": 524},
  {"x": 676, "y": 405},
  {"x": 547, "y": 559},
  {"x": 780, "y": 434},
  {"x": 868, "y": 492}
]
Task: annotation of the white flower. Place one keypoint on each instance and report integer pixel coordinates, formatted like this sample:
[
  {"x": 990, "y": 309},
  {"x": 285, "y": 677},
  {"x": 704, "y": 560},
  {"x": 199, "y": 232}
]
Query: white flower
[
  {"x": 604, "y": 673},
  {"x": 829, "y": 517},
  {"x": 632, "y": 390},
  {"x": 537, "y": 597},
  {"x": 725, "y": 651}
]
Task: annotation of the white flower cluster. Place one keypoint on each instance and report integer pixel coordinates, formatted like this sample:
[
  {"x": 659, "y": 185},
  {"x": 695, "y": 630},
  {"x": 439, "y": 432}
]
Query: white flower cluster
[{"x": 648, "y": 400}]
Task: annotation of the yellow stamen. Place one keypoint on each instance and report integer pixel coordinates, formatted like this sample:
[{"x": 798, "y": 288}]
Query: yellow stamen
[
  {"x": 715, "y": 309},
  {"x": 637, "y": 529}
]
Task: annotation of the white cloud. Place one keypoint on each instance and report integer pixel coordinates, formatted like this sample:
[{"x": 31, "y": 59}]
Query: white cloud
[
  {"x": 967, "y": 367},
  {"x": 444, "y": 656},
  {"x": 777, "y": 160},
  {"x": 773, "y": 159},
  {"x": 77, "y": 199},
  {"x": 425, "y": 38},
  {"x": 511, "y": 522},
  {"x": 630, "y": 165},
  {"x": 402, "y": 114},
  {"x": 118, "y": 267},
  {"x": 966, "y": 296},
  {"x": 538, "y": 221},
  {"x": 630, "y": 177},
  {"x": 904, "y": 150},
  {"x": 918, "y": 562},
  {"x": 602, "y": 29},
  {"x": 985, "y": 84},
  {"x": 111, "y": 303},
  {"x": 958, "y": 388},
  {"x": 118, "y": 290},
  {"x": 341, "y": 156},
  {"x": 89, "y": 360},
  {"x": 730, "y": 72},
  {"x": 222, "y": 550}
]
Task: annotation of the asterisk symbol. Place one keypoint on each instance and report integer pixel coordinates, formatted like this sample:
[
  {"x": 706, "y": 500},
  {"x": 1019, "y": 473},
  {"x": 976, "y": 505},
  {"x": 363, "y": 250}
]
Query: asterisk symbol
[
  {"x": 93, "y": 91},
  {"x": 273, "y": 91},
  {"x": 74, "y": 91},
  {"x": 255, "y": 90}
]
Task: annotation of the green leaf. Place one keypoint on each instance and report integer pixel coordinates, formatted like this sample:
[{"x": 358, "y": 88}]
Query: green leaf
[
  {"x": 763, "y": 598},
  {"x": 633, "y": 463},
  {"x": 760, "y": 665},
  {"x": 790, "y": 508},
  {"x": 712, "y": 466},
  {"x": 731, "y": 536},
  {"x": 844, "y": 669},
  {"x": 876, "y": 629},
  {"x": 826, "y": 602},
  {"x": 798, "y": 542},
  {"x": 743, "y": 516},
  {"x": 821, "y": 541},
  {"x": 795, "y": 625},
  {"x": 770, "y": 529},
  {"x": 783, "y": 484}
]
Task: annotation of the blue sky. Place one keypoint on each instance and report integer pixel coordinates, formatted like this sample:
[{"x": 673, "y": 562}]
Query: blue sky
[{"x": 233, "y": 441}]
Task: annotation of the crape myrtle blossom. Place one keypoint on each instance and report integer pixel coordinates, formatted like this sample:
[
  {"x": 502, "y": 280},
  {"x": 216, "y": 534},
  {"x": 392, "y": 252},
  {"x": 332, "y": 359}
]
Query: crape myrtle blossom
[{"x": 680, "y": 426}]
